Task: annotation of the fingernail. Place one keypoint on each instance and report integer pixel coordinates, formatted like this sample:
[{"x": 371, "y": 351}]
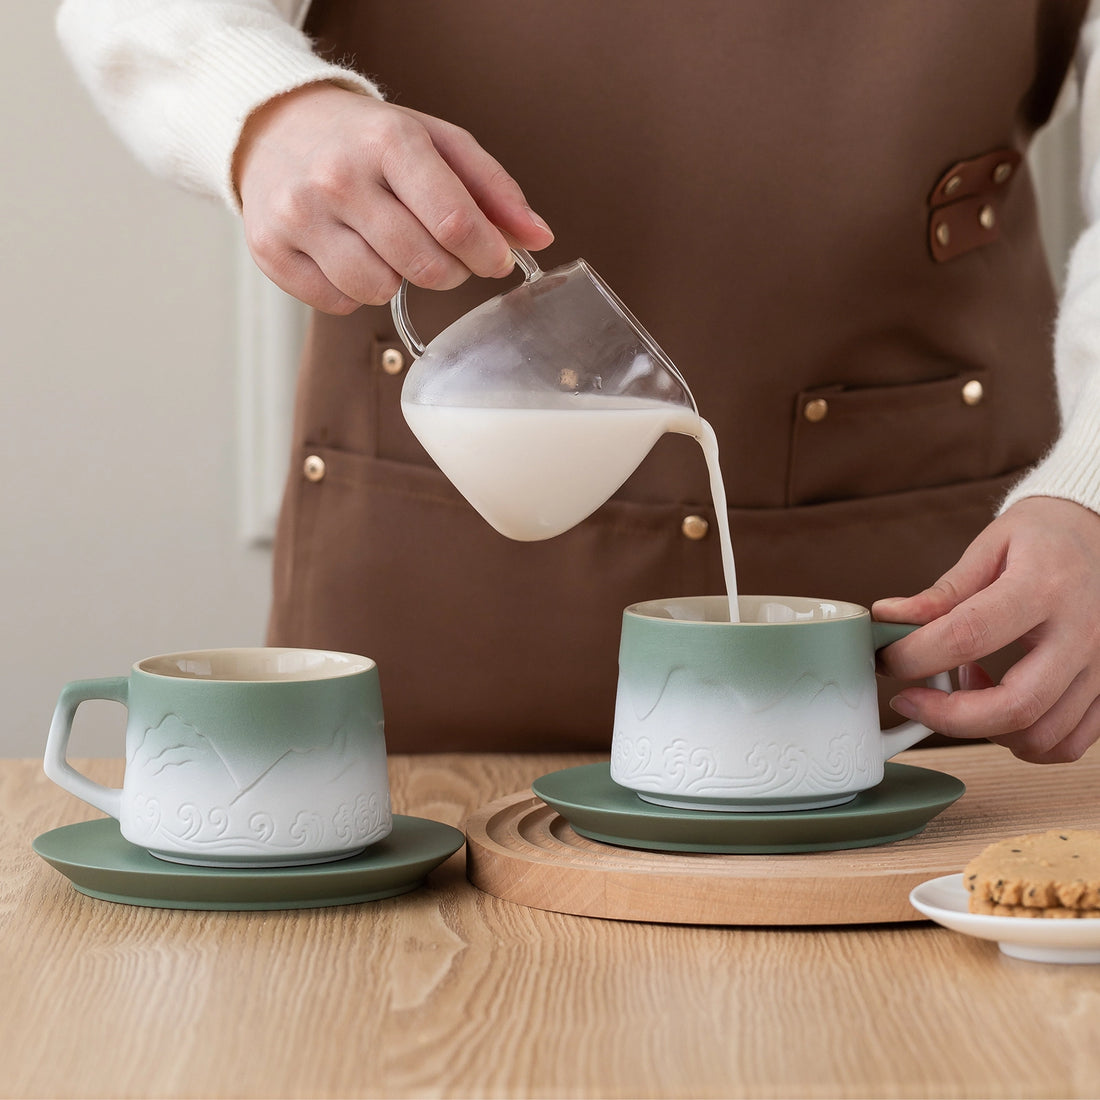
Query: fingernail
[
  {"x": 890, "y": 600},
  {"x": 538, "y": 223},
  {"x": 903, "y": 707},
  {"x": 507, "y": 269}
]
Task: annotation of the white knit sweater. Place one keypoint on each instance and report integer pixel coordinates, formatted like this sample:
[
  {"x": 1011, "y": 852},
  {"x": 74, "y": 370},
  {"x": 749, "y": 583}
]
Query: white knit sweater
[{"x": 178, "y": 78}]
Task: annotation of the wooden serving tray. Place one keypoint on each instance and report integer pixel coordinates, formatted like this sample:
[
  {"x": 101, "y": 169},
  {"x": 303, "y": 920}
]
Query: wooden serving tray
[{"x": 522, "y": 851}]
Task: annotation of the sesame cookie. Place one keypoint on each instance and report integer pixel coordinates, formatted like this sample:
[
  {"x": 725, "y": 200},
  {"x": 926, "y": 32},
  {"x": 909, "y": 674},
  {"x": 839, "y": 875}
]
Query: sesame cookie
[
  {"x": 1051, "y": 874},
  {"x": 992, "y": 909}
]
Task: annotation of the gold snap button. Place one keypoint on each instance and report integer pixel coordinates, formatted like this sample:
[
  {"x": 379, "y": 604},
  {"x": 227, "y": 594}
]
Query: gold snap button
[
  {"x": 1002, "y": 172},
  {"x": 943, "y": 234},
  {"x": 393, "y": 362},
  {"x": 952, "y": 185},
  {"x": 314, "y": 468},
  {"x": 694, "y": 528},
  {"x": 816, "y": 410},
  {"x": 973, "y": 392},
  {"x": 986, "y": 217}
]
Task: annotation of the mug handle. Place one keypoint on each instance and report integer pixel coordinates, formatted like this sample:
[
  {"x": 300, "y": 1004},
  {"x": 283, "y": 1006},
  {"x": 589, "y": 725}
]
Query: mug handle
[
  {"x": 908, "y": 733},
  {"x": 116, "y": 689},
  {"x": 400, "y": 309}
]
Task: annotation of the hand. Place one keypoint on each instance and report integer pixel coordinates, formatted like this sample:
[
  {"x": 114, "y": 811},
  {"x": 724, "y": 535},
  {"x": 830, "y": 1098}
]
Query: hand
[
  {"x": 1032, "y": 576},
  {"x": 344, "y": 195}
]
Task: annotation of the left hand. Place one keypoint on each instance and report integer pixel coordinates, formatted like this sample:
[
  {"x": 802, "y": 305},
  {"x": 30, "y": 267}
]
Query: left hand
[{"x": 1033, "y": 575}]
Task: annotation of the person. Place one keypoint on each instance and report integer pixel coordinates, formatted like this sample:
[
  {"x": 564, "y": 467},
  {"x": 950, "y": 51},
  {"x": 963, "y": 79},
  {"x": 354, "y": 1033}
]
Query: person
[{"x": 821, "y": 212}]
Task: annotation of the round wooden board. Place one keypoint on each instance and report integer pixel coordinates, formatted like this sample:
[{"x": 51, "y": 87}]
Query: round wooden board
[{"x": 521, "y": 850}]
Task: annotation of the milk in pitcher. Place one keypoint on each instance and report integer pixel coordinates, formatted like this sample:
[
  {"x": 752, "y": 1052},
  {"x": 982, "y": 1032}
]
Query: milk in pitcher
[{"x": 533, "y": 473}]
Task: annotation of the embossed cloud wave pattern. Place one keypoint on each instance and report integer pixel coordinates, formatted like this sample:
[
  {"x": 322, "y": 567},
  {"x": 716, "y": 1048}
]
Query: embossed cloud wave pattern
[
  {"x": 782, "y": 758},
  {"x": 244, "y": 809}
]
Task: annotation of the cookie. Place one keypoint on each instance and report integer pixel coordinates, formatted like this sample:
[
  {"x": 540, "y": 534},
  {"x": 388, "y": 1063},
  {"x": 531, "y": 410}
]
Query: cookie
[
  {"x": 992, "y": 909},
  {"x": 1052, "y": 874}
]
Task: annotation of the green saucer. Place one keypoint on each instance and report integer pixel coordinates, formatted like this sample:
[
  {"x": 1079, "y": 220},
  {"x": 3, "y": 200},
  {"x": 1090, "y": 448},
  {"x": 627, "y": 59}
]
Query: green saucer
[
  {"x": 598, "y": 808},
  {"x": 100, "y": 863}
]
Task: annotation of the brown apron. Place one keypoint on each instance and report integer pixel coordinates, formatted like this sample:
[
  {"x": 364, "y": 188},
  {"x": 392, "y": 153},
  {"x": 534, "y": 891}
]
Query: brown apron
[{"x": 819, "y": 212}]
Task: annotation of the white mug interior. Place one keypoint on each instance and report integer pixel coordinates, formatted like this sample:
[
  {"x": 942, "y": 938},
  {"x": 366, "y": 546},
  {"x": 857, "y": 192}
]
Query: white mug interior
[
  {"x": 751, "y": 609},
  {"x": 255, "y": 665}
]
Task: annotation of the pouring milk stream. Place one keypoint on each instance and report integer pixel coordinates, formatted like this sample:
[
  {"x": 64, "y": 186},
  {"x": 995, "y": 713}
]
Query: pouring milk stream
[{"x": 539, "y": 404}]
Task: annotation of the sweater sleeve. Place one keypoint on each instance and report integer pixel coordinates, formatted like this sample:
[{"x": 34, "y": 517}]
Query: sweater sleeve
[
  {"x": 1071, "y": 469},
  {"x": 177, "y": 79}
]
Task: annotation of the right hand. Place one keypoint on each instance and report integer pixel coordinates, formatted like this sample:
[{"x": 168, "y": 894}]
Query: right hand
[{"x": 343, "y": 196}]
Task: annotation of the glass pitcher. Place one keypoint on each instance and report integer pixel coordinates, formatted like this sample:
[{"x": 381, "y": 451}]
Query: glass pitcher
[{"x": 539, "y": 403}]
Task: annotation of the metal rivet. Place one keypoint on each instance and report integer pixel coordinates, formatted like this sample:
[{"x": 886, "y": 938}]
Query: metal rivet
[
  {"x": 314, "y": 468},
  {"x": 393, "y": 362},
  {"x": 973, "y": 392},
  {"x": 694, "y": 527},
  {"x": 816, "y": 410},
  {"x": 1002, "y": 172},
  {"x": 952, "y": 185},
  {"x": 986, "y": 217},
  {"x": 943, "y": 234}
]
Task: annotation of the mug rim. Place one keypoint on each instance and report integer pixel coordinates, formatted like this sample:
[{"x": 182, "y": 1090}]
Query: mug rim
[
  {"x": 651, "y": 610},
  {"x": 197, "y": 665}
]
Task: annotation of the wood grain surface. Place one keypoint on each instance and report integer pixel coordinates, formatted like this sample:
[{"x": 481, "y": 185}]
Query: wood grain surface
[
  {"x": 521, "y": 850},
  {"x": 451, "y": 992}
]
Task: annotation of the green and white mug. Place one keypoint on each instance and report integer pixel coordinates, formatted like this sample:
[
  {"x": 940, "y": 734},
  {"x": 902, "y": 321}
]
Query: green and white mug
[
  {"x": 250, "y": 757},
  {"x": 776, "y": 712}
]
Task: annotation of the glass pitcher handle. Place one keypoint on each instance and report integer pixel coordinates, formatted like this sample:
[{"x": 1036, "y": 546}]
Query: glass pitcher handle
[{"x": 400, "y": 309}]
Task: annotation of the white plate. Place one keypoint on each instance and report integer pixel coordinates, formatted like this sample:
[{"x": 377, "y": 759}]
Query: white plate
[{"x": 1037, "y": 939}]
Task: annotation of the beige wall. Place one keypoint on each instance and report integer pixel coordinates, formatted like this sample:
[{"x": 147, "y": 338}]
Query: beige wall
[
  {"x": 118, "y": 493},
  {"x": 1055, "y": 164},
  {"x": 119, "y": 509}
]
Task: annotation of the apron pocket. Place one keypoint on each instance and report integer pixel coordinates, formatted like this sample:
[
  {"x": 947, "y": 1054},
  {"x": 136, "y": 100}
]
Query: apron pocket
[
  {"x": 485, "y": 644},
  {"x": 866, "y": 441},
  {"x": 860, "y": 550}
]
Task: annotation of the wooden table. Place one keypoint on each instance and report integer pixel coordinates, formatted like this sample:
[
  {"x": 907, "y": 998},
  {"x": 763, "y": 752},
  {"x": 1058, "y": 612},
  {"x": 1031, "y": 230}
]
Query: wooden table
[{"x": 452, "y": 992}]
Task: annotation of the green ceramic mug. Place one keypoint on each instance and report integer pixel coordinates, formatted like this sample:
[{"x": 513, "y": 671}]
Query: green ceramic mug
[
  {"x": 776, "y": 712},
  {"x": 241, "y": 757}
]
